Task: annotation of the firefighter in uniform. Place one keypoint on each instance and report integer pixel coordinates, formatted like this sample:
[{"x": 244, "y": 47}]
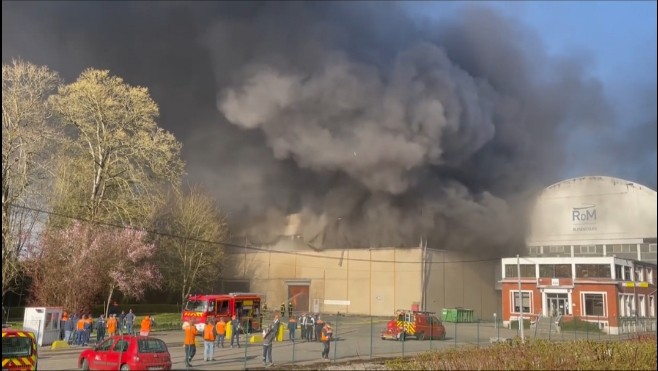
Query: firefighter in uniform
[
  {"x": 283, "y": 309},
  {"x": 290, "y": 309}
]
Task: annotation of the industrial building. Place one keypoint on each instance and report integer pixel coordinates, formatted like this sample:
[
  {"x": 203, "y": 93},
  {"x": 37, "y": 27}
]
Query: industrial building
[
  {"x": 589, "y": 217},
  {"x": 375, "y": 281},
  {"x": 591, "y": 254}
]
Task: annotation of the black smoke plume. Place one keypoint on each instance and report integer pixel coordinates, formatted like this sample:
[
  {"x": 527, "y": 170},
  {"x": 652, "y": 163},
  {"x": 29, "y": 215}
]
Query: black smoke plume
[{"x": 375, "y": 128}]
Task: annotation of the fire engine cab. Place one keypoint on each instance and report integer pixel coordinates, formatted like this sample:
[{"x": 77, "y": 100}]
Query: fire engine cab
[{"x": 417, "y": 324}]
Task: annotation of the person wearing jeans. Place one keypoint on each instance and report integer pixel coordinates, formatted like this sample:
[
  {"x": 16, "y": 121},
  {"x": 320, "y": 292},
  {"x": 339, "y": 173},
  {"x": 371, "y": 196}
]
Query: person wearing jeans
[
  {"x": 235, "y": 334},
  {"x": 268, "y": 337},
  {"x": 209, "y": 342},
  {"x": 220, "y": 330},
  {"x": 190, "y": 344}
]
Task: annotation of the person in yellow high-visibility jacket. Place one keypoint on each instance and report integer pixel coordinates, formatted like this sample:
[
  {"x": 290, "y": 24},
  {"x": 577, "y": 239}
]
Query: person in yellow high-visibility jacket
[{"x": 229, "y": 330}]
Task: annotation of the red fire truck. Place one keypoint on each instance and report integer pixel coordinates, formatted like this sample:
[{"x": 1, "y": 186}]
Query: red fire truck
[{"x": 246, "y": 306}]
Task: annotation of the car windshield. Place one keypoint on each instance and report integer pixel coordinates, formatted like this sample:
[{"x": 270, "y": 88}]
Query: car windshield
[
  {"x": 15, "y": 346},
  {"x": 151, "y": 346},
  {"x": 196, "y": 305}
]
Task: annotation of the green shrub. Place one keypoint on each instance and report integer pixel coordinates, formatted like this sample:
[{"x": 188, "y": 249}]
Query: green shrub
[
  {"x": 635, "y": 354},
  {"x": 580, "y": 326}
]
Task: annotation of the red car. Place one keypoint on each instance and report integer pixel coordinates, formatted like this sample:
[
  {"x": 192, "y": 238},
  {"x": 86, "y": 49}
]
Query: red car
[{"x": 125, "y": 352}]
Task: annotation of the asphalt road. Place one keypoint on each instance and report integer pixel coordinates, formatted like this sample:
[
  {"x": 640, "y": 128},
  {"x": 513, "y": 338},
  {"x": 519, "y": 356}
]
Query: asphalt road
[{"x": 356, "y": 338}]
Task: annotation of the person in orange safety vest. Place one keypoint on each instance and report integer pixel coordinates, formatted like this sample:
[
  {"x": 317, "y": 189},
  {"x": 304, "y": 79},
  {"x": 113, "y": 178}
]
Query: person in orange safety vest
[
  {"x": 209, "y": 341},
  {"x": 145, "y": 328}
]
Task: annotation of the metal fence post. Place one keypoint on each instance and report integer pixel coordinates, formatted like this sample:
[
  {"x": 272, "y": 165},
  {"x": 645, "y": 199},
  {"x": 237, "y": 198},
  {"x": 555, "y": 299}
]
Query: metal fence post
[
  {"x": 455, "y": 332},
  {"x": 550, "y": 327},
  {"x": 246, "y": 343},
  {"x": 497, "y": 329},
  {"x": 478, "y": 332},
  {"x": 371, "y": 334},
  {"x": 335, "y": 338}
]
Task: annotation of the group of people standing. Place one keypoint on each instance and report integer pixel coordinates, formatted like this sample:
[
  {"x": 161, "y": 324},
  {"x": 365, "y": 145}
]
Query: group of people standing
[
  {"x": 77, "y": 328},
  {"x": 311, "y": 326},
  {"x": 214, "y": 334}
]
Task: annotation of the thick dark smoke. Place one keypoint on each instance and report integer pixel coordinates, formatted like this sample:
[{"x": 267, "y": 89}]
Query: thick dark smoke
[{"x": 376, "y": 129}]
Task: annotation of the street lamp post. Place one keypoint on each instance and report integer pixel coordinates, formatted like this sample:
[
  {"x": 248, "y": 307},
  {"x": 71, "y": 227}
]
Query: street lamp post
[{"x": 518, "y": 276}]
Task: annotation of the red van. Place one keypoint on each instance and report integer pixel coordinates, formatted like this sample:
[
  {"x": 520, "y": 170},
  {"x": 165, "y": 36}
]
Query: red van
[{"x": 416, "y": 324}]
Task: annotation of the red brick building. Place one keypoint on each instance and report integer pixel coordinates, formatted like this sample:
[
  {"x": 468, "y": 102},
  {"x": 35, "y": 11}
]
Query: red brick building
[{"x": 609, "y": 291}]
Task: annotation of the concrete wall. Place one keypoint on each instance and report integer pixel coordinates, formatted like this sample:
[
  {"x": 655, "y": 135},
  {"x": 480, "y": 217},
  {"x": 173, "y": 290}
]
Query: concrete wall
[
  {"x": 459, "y": 280},
  {"x": 375, "y": 281}
]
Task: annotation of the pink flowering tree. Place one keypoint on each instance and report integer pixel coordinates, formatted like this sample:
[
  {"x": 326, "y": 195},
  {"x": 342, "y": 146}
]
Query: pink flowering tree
[
  {"x": 63, "y": 268},
  {"x": 76, "y": 265},
  {"x": 129, "y": 268}
]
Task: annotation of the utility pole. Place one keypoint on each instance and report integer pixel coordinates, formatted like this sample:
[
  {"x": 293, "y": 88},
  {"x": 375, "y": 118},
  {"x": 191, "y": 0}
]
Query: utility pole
[{"x": 518, "y": 276}]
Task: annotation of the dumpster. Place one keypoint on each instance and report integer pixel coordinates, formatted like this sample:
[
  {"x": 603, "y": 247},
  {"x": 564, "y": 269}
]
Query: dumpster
[
  {"x": 457, "y": 315},
  {"x": 449, "y": 315},
  {"x": 464, "y": 315}
]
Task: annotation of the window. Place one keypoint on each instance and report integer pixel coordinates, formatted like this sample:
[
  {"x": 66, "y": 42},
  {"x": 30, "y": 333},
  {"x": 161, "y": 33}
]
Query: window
[
  {"x": 639, "y": 276},
  {"x": 151, "y": 345},
  {"x": 121, "y": 346},
  {"x": 555, "y": 270},
  {"x": 16, "y": 346},
  {"x": 594, "y": 305},
  {"x": 649, "y": 274},
  {"x": 106, "y": 345},
  {"x": 534, "y": 251},
  {"x": 627, "y": 273},
  {"x": 527, "y": 295},
  {"x": 527, "y": 270},
  {"x": 641, "y": 307},
  {"x": 196, "y": 305},
  {"x": 593, "y": 270},
  {"x": 652, "y": 307},
  {"x": 222, "y": 307},
  {"x": 618, "y": 272},
  {"x": 588, "y": 250},
  {"x": 626, "y": 305},
  {"x": 557, "y": 250}
]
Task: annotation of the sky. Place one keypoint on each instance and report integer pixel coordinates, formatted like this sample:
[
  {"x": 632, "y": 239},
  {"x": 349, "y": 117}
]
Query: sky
[
  {"x": 400, "y": 120},
  {"x": 617, "y": 38}
]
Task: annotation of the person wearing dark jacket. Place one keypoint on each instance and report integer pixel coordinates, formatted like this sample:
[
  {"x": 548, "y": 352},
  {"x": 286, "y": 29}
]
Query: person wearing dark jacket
[
  {"x": 292, "y": 326},
  {"x": 326, "y": 335},
  {"x": 235, "y": 335},
  {"x": 319, "y": 325},
  {"x": 268, "y": 337}
]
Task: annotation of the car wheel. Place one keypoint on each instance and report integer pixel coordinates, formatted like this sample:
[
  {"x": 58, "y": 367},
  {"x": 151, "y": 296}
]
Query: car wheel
[
  {"x": 125, "y": 367},
  {"x": 421, "y": 336},
  {"x": 85, "y": 365}
]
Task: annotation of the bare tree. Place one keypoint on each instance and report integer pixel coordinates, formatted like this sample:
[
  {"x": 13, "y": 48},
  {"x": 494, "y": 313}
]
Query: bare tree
[
  {"x": 189, "y": 249},
  {"x": 25, "y": 137},
  {"x": 120, "y": 159}
]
